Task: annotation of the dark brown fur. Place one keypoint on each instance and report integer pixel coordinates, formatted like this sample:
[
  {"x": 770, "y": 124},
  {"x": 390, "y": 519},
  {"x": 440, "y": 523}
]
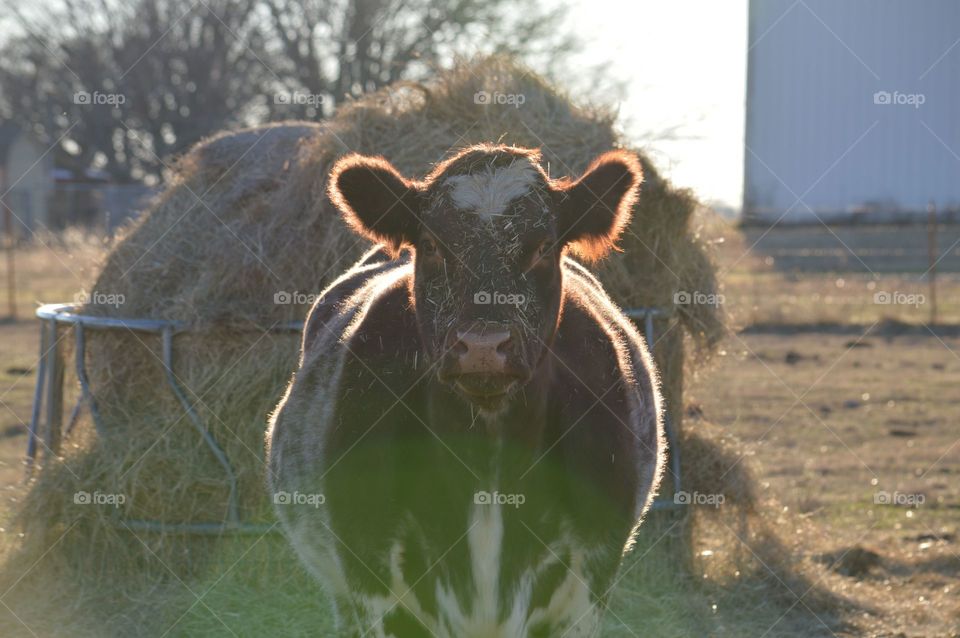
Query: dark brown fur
[{"x": 377, "y": 422}]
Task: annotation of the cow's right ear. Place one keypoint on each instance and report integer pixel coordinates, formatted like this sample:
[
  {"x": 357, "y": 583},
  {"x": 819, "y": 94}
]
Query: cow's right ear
[{"x": 376, "y": 200}]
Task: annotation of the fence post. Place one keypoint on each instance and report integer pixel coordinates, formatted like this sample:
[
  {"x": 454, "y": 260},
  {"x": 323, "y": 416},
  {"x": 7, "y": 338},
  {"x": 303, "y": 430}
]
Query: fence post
[
  {"x": 10, "y": 244},
  {"x": 932, "y": 259}
]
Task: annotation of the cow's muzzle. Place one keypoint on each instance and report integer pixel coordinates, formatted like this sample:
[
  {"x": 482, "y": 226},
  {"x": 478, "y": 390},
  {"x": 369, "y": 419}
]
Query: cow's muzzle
[{"x": 481, "y": 363}]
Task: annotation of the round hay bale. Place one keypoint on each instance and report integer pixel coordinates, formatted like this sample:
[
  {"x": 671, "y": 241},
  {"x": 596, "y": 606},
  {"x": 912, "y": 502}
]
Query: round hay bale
[{"x": 236, "y": 245}]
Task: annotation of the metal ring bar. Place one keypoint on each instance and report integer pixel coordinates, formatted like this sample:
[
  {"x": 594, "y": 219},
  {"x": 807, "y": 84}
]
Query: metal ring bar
[
  {"x": 48, "y": 394},
  {"x": 647, "y": 315}
]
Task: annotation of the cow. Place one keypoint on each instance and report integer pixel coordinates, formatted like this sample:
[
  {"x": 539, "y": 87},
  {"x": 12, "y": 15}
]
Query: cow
[{"x": 473, "y": 434}]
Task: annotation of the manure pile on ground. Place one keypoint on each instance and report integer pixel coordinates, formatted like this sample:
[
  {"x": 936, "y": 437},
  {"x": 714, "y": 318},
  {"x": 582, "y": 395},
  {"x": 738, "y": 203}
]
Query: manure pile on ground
[{"x": 237, "y": 244}]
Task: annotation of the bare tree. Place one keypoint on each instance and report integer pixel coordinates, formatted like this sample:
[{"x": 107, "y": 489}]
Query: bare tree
[
  {"x": 348, "y": 47},
  {"x": 123, "y": 86},
  {"x": 126, "y": 85}
]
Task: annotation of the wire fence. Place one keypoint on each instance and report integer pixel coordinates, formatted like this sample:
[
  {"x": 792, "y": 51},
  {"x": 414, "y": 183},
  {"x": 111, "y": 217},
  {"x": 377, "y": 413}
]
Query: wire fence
[{"x": 89, "y": 205}]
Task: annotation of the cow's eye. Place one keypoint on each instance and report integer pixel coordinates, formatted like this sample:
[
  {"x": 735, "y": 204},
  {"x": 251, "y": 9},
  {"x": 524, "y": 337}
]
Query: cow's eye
[
  {"x": 541, "y": 254},
  {"x": 427, "y": 247}
]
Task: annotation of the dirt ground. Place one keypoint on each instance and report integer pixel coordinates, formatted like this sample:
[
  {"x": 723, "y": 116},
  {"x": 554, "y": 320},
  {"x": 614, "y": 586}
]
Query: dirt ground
[{"x": 837, "y": 426}]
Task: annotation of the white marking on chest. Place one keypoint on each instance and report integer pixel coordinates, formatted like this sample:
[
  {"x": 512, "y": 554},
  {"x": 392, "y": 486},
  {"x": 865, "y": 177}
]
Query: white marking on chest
[
  {"x": 488, "y": 192},
  {"x": 570, "y": 604},
  {"x": 570, "y": 608},
  {"x": 486, "y": 544}
]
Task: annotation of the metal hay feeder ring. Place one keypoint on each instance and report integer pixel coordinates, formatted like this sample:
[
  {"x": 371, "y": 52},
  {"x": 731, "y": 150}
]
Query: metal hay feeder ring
[{"x": 48, "y": 402}]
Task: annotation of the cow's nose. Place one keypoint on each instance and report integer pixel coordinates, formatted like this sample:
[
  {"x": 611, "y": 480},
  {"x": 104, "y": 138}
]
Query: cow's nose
[{"x": 482, "y": 352}]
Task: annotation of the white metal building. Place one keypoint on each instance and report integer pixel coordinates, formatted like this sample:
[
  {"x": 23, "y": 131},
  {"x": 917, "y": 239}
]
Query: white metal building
[{"x": 853, "y": 107}]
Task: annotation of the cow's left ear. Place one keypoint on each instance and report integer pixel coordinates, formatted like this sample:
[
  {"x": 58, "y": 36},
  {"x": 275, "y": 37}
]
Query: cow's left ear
[
  {"x": 595, "y": 209},
  {"x": 376, "y": 200}
]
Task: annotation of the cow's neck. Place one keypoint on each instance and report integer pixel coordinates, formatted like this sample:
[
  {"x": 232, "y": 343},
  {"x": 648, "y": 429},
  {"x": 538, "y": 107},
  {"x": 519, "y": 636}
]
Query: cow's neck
[
  {"x": 481, "y": 439},
  {"x": 521, "y": 418}
]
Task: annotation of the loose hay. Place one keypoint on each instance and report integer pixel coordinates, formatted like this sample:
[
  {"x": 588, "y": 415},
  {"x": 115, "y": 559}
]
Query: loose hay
[{"x": 245, "y": 219}]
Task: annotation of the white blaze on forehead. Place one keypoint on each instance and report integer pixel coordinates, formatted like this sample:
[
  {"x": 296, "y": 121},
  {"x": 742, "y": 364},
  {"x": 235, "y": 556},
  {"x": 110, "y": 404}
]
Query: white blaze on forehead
[{"x": 488, "y": 192}]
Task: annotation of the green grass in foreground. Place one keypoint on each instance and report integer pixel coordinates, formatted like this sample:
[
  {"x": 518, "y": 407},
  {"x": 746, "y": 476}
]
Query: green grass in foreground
[{"x": 255, "y": 587}]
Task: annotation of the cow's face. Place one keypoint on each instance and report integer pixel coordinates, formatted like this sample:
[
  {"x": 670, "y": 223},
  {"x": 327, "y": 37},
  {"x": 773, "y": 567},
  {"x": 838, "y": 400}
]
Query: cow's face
[{"x": 488, "y": 228}]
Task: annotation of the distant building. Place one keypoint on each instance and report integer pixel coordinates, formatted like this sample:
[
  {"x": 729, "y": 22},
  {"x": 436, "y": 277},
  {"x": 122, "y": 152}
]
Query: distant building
[
  {"x": 853, "y": 110},
  {"x": 26, "y": 176},
  {"x": 46, "y": 190}
]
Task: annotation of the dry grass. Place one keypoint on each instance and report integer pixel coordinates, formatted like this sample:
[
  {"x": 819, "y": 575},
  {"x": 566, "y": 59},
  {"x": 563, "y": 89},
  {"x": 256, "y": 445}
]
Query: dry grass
[
  {"x": 817, "y": 275},
  {"x": 815, "y": 498}
]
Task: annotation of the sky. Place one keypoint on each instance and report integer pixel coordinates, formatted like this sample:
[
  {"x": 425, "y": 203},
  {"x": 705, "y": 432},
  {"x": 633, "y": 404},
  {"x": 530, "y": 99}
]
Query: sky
[{"x": 684, "y": 65}]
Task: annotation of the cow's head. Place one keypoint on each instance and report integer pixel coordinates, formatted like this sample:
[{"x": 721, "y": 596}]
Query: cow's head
[{"x": 488, "y": 228}]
